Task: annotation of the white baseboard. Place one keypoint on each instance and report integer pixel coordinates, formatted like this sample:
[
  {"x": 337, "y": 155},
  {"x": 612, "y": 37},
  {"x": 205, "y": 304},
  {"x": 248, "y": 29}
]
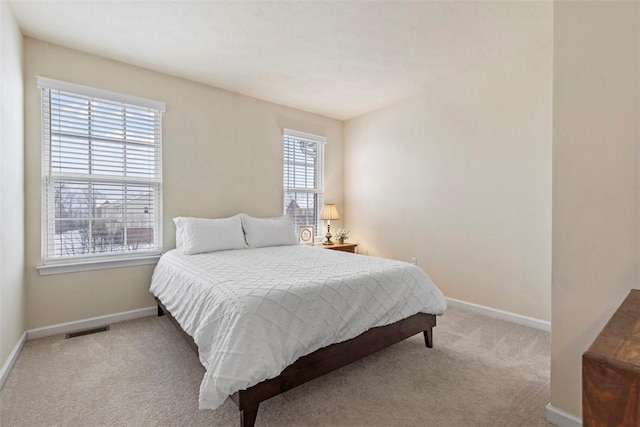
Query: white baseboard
[
  {"x": 11, "y": 360},
  {"x": 532, "y": 322},
  {"x": 560, "y": 418},
  {"x": 90, "y": 323}
]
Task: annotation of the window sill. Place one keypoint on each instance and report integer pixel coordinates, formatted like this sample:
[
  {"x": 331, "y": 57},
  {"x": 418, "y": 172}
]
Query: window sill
[{"x": 46, "y": 270}]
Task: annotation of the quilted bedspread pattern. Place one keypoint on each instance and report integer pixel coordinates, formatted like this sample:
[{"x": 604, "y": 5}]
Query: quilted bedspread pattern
[{"x": 253, "y": 312}]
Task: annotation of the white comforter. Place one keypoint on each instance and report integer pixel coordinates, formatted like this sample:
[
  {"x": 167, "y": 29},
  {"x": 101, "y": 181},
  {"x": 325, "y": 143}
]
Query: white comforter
[{"x": 253, "y": 312}]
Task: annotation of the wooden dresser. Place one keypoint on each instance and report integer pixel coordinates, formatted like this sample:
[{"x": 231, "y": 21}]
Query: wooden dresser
[{"x": 611, "y": 370}]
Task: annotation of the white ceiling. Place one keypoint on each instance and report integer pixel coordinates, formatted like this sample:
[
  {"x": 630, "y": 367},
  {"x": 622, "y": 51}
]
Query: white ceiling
[{"x": 339, "y": 59}]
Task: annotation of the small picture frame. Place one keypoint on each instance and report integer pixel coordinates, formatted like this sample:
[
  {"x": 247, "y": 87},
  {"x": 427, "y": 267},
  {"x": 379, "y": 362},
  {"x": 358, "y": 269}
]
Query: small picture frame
[{"x": 307, "y": 234}]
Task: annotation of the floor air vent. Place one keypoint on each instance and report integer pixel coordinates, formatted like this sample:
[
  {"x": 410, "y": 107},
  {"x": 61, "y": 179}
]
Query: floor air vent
[{"x": 87, "y": 332}]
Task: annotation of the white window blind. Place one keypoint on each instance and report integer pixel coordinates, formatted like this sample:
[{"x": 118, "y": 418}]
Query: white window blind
[
  {"x": 102, "y": 174},
  {"x": 303, "y": 178}
]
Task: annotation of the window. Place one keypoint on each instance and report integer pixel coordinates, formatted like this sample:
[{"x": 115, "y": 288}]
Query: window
[
  {"x": 101, "y": 177},
  {"x": 303, "y": 178}
]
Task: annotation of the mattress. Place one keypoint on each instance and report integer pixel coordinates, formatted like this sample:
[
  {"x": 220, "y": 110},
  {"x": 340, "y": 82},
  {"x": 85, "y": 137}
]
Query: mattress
[{"x": 253, "y": 312}]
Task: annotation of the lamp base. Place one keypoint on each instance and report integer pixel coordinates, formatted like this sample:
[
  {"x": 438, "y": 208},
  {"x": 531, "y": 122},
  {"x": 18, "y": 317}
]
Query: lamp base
[{"x": 328, "y": 237}]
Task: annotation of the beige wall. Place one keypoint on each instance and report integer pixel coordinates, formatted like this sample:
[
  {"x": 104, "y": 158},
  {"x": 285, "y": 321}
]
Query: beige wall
[
  {"x": 460, "y": 178},
  {"x": 595, "y": 179},
  {"x": 11, "y": 184},
  {"x": 222, "y": 154}
]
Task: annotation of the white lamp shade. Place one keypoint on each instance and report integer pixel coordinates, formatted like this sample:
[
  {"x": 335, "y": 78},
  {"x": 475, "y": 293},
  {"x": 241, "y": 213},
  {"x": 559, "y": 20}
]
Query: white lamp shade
[{"x": 329, "y": 212}]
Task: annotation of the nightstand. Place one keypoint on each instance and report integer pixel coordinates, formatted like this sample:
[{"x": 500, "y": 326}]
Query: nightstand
[{"x": 344, "y": 247}]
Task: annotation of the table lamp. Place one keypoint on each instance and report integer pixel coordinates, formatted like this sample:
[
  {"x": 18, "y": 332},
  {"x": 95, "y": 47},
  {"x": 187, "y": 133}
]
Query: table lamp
[{"x": 328, "y": 213}]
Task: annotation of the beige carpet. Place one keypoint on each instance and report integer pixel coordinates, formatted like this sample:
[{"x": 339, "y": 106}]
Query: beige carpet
[{"x": 481, "y": 372}]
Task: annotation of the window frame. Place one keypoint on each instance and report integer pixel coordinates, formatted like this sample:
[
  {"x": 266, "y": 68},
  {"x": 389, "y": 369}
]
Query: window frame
[
  {"x": 320, "y": 142},
  {"x": 51, "y": 264}
]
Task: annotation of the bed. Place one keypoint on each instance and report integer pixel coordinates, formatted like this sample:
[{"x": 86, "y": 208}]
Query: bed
[
  {"x": 264, "y": 320},
  {"x": 253, "y": 315}
]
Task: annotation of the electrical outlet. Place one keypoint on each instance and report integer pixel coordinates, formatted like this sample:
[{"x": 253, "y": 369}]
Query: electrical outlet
[{"x": 414, "y": 260}]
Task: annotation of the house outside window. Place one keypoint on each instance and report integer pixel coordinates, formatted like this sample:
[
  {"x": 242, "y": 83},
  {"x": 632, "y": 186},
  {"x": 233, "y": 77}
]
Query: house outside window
[
  {"x": 303, "y": 178},
  {"x": 101, "y": 178}
]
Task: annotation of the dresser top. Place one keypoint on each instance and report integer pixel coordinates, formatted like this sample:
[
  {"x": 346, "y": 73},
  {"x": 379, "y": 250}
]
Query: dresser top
[{"x": 619, "y": 340}]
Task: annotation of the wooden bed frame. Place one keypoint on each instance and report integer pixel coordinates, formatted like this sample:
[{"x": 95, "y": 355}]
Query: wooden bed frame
[{"x": 321, "y": 361}]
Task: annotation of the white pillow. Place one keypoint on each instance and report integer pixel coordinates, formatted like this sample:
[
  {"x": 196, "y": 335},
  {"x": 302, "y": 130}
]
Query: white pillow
[
  {"x": 261, "y": 232},
  {"x": 198, "y": 235}
]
